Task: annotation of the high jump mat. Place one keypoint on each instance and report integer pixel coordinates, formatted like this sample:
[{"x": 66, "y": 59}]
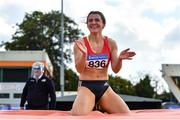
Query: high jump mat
[{"x": 146, "y": 114}]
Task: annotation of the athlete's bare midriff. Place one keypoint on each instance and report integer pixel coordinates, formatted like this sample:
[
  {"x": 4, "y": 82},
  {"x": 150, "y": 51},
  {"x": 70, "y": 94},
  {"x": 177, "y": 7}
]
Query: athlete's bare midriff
[{"x": 94, "y": 74}]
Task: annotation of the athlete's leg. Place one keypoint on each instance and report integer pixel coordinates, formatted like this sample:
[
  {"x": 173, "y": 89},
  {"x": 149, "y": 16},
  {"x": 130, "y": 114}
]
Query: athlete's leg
[
  {"x": 113, "y": 103},
  {"x": 84, "y": 102}
]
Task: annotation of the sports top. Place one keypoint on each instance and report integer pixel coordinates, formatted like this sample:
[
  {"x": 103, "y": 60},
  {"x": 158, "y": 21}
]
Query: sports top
[{"x": 97, "y": 60}]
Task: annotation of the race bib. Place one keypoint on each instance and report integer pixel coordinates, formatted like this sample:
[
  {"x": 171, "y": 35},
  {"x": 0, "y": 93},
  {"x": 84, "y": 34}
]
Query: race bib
[{"x": 97, "y": 61}]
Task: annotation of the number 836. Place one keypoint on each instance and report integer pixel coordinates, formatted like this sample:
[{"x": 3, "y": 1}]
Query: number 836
[{"x": 97, "y": 63}]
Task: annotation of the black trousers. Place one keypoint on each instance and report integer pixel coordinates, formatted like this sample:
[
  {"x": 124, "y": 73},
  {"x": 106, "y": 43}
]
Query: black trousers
[{"x": 37, "y": 107}]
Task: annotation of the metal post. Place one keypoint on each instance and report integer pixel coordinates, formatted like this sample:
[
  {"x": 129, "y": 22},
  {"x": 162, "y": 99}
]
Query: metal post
[{"x": 62, "y": 53}]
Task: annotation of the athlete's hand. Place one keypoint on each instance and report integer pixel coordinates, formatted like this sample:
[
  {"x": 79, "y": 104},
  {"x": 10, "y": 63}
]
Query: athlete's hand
[
  {"x": 81, "y": 47},
  {"x": 126, "y": 54}
]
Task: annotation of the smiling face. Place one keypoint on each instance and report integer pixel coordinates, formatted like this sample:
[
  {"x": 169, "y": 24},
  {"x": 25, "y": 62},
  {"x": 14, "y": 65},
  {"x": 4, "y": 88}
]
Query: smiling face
[{"x": 95, "y": 22}]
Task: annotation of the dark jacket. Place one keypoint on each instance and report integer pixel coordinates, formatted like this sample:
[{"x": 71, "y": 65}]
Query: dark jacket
[{"x": 37, "y": 93}]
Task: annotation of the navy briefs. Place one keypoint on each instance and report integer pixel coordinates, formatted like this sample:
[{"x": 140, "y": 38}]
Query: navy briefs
[{"x": 97, "y": 87}]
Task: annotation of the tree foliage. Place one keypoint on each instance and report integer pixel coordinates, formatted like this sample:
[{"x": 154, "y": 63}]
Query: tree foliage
[
  {"x": 144, "y": 88},
  {"x": 71, "y": 80},
  {"x": 41, "y": 31},
  {"x": 121, "y": 86}
]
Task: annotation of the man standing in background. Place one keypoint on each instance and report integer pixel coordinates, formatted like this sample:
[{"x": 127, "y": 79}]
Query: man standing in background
[{"x": 38, "y": 89}]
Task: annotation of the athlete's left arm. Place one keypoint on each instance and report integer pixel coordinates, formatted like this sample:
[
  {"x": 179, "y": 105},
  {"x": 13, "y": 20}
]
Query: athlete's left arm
[
  {"x": 116, "y": 60},
  {"x": 116, "y": 63}
]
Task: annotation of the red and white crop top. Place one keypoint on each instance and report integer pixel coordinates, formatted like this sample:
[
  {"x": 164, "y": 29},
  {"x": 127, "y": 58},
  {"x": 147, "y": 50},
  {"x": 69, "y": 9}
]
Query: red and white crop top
[{"x": 97, "y": 60}]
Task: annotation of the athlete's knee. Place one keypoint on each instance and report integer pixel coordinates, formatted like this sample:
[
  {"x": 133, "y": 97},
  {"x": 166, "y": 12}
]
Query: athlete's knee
[
  {"x": 78, "y": 112},
  {"x": 128, "y": 111}
]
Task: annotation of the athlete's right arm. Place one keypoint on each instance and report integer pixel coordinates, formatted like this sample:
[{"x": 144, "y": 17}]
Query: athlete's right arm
[{"x": 80, "y": 54}]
